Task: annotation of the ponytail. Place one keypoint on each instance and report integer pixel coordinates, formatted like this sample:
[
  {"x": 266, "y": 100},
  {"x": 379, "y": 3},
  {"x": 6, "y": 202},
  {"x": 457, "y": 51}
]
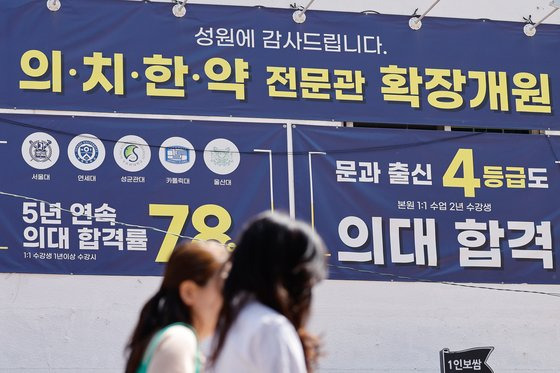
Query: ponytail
[{"x": 146, "y": 327}]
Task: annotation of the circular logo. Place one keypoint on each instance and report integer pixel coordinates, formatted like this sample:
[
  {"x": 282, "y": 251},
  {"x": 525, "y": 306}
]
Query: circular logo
[
  {"x": 177, "y": 155},
  {"x": 221, "y": 156},
  {"x": 132, "y": 153},
  {"x": 86, "y": 152},
  {"x": 40, "y": 150}
]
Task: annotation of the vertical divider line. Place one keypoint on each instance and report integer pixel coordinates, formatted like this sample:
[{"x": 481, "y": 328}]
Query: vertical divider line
[{"x": 290, "y": 159}]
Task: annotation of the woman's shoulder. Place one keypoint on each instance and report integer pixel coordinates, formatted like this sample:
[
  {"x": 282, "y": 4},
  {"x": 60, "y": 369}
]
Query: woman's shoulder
[
  {"x": 177, "y": 335},
  {"x": 273, "y": 343},
  {"x": 255, "y": 308},
  {"x": 176, "y": 350},
  {"x": 261, "y": 316}
]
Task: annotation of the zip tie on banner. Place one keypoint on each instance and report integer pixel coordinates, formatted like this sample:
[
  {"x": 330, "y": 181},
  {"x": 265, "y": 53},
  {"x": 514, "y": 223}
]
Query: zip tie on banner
[
  {"x": 330, "y": 265},
  {"x": 445, "y": 282}
]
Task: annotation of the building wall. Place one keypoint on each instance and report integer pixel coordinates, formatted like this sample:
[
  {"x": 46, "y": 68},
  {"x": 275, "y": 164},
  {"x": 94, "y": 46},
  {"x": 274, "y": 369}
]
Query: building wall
[
  {"x": 81, "y": 324},
  {"x": 51, "y": 323}
]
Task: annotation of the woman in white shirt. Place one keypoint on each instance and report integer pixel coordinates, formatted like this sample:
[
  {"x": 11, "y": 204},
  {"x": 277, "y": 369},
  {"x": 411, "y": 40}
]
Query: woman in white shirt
[
  {"x": 189, "y": 300},
  {"x": 267, "y": 299}
]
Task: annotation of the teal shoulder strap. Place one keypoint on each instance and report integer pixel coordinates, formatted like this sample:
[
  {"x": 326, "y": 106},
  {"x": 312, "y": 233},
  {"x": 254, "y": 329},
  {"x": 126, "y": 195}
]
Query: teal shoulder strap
[{"x": 154, "y": 342}]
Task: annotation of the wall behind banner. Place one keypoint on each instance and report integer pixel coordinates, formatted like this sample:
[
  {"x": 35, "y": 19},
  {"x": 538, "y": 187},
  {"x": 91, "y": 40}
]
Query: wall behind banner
[
  {"x": 61, "y": 323},
  {"x": 57, "y": 323}
]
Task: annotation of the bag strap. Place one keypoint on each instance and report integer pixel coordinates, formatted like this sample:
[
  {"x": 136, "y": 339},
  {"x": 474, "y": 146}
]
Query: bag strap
[{"x": 154, "y": 342}]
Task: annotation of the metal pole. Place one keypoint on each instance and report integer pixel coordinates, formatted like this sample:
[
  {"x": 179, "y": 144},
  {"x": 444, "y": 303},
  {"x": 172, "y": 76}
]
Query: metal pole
[
  {"x": 308, "y": 5},
  {"x": 291, "y": 180},
  {"x": 542, "y": 20},
  {"x": 312, "y": 201},
  {"x": 415, "y": 23},
  {"x": 299, "y": 15},
  {"x": 270, "y": 174},
  {"x": 531, "y": 30},
  {"x": 427, "y": 11}
]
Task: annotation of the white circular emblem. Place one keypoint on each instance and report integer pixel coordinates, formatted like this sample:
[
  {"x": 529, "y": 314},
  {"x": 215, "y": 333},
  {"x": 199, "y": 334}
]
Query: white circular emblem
[
  {"x": 132, "y": 153},
  {"x": 40, "y": 150},
  {"x": 177, "y": 155},
  {"x": 86, "y": 152},
  {"x": 221, "y": 156}
]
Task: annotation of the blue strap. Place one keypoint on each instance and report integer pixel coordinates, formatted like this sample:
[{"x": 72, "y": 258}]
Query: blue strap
[{"x": 154, "y": 342}]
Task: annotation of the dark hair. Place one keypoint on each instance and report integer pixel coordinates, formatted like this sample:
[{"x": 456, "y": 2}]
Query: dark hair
[
  {"x": 277, "y": 262},
  {"x": 189, "y": 261}
]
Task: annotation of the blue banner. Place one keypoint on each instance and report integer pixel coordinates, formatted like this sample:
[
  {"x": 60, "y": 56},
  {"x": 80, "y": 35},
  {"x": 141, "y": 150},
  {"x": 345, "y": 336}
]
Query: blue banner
[
  {"x": 431, "y": 205},
  {"x": 129, "y": 56},
  {"x": 111, "y": 196}
]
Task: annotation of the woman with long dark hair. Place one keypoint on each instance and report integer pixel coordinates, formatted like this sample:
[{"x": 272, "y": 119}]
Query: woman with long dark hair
[
  {"x": 184, "y": 309},
  {"x": 267, "y": 299}
]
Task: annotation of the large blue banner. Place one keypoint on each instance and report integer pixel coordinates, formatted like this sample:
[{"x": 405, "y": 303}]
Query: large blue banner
[
  {"x": 129, "y": 56},
  {"x": 112, "y": 196},
  {"x": 431, "y": 205}
]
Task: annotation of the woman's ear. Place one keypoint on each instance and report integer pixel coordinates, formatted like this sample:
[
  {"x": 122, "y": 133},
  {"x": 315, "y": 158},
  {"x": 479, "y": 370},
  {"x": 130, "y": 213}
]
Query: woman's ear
[{"x": 187, "y": 292}]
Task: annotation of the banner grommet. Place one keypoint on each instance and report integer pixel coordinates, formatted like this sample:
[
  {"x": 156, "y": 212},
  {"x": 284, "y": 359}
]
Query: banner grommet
[
  {"x": 53, "y": 5},
  {"x": 299, "y": 16},
  {"x": 179, "y": 9},
  {"x": 415, "y": 23}
]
